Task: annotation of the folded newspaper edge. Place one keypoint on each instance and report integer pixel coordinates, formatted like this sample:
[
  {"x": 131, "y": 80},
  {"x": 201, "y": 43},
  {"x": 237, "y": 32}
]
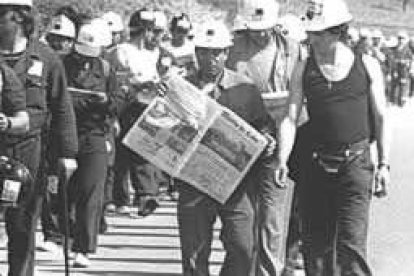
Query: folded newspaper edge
[
  {"x": 86, "y": 92},
  {"x": 275, "y": 95}
]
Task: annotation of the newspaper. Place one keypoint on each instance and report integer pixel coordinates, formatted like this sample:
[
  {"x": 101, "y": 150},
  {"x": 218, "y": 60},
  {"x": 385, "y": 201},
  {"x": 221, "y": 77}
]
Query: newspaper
[{"x": 210, "y": 148}]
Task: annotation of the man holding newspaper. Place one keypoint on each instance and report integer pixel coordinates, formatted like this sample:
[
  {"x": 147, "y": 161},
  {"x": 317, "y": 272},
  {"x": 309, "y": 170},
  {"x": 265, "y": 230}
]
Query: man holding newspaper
[{"x": 216, "y": 151}]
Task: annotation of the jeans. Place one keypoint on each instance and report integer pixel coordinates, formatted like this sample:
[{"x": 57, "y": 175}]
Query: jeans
[
  {"x": 196, "y": 216},
  {"x": 142, "y": 174},
  {"x": 273, "y": 212},
  {"x": 335, "y": 212}
]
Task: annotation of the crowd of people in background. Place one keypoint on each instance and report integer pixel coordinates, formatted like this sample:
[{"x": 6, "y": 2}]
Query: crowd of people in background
[{"x": 103, "y": 73}]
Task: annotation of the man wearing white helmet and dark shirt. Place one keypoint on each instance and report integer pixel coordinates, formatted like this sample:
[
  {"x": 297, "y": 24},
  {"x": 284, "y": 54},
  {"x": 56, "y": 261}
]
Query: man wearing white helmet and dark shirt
[
  {"x": 197, "y": 212},
  {"x": 347, "y": 110},
  {"x": 49, "y": 106}
]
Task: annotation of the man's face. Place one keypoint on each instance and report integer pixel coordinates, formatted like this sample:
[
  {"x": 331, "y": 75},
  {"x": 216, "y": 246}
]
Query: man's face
[
  {"x": 150, "y": 39},
  {"x": 61, "y": 44},
  {"x": 211, "y": 61},
  {"x": 401, "y": 41},
  {"x": 116, "y": 38},
  {"x": 376, "y": 41},
  {"x": 8, "y": 25},
  {"x": 320, "y": 39},
  {"x": 179, "y": 34},
  {"x": 260, "y": 37}
]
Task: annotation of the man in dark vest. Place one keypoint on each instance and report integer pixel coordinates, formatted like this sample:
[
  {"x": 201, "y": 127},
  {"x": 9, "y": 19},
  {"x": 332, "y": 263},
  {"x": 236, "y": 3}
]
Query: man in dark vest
[{"x": 346, "y": 104}]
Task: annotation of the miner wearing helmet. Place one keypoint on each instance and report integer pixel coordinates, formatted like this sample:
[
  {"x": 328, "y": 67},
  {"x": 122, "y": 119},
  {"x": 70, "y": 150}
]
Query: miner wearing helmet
[
  {"x": 180, "y": 47},
  {"x": 266, "y": 51},
  {"x": 345, "y": 99},
  {"x": 236, "y": 92},
  {"x": 364, "y": 44},
  {"x": 61, "y": 34},
  {"x": 138, "y": 64},
  {"x": 400, "y": 63},
  {"x": 96, "y": 100},
  {"x": 116, "y": 26},
  {"x": 49, "y": 107}
]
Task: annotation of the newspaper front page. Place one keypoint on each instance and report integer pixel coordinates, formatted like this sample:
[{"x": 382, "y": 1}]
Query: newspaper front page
[{"x": 209, "y": 147}]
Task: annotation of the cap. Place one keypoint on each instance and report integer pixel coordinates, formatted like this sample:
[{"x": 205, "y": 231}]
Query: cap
[
  {"x": 161, "y": 22},
  {"x": 28, "y": 3},
  {"x": 377, "y": 33},
  {"x": 257, "y": 15},
  {"x": 402, "y": 34},
  {"x": 365, "y": 33},
  {"x": 353, "y": 33},
  {"x": 214, "y": 34},
  {"x": 141, "y": 19},
  {"x": 63, "y": 26},
  {"x": 330, "y": 13},
  {"x": 181, "y": 21},
  {"x": 103, "y": 31},
  {"x": 89, "y": 41},
  {"x": 114, "y": 21}
]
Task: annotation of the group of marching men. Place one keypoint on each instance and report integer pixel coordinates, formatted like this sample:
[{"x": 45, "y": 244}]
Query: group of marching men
[
  {"x": 70, "y": 95},
  {"x": 395, "y": 54}
]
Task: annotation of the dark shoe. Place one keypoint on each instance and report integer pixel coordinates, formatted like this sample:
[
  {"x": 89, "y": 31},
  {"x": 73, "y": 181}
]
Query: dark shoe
[{"x": 148, "y": 206}]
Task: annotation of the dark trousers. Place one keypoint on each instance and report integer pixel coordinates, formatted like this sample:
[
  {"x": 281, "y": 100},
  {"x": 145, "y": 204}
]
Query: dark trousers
[
  {"x": 400, "y": 91},
  {"x": 335, "y": 211},
  {"x": 50, "y": 215},
  {"x": 86, "y": 193},
  {"x": 196, "y": 216},
  {"x": 141, "y": 174},
  {"x": 21, "y": 221}
]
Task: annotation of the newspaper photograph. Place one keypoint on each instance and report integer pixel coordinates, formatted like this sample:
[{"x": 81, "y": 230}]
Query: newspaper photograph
[
  {"x": 224, "y": 155},
  {"x": 209, "y": 147}
]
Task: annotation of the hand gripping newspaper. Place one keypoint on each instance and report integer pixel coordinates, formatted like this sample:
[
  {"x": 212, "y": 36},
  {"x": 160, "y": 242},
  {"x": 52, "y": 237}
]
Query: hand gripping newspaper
[{"x": 192, "y": 137}]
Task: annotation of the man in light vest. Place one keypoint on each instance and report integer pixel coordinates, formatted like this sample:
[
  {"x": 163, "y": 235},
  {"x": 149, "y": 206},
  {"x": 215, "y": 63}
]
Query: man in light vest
[{"x": 268, "y": 58}]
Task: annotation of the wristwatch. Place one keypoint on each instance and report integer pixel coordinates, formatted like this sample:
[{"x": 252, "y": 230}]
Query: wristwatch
[{"x": 381, "y": 165}]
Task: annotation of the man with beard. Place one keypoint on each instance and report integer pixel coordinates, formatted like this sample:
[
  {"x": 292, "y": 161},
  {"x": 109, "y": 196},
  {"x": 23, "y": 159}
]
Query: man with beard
[{"x": 137, "y": 64}]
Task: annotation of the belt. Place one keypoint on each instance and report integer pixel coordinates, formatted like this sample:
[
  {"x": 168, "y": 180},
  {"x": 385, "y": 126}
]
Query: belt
[{"x": 343, "y": 150}]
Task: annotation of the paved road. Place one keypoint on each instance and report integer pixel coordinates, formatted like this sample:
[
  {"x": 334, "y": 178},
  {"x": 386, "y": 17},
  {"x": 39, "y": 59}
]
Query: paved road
[
  {"x": 392, "y": 224},
  {"x": 150, "y": 246}
]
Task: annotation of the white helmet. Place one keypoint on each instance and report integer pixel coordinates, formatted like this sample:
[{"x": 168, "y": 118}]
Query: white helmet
[
  {"x": 392, "y": 41},
  {"x": 161, "y": 21},
  {"x": 365, "y": 33},
  {"x": 63, "y": 26},
  {"x": 353, "y": 33},
  {"x": 330, "y": 13},
  {"x": 257, "y": 15},
  {"x": 402, "y": 34},
  {"x": 103, "y": 31},
  {"x": 214, "y": 34},
  {"x": 377, "y": 33},
  {"x": 292, "y": 26},
  {"x": 89, "y": 41},
  {"x": 114, "y": 21},
  {"x": 27, "y": 3}
]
